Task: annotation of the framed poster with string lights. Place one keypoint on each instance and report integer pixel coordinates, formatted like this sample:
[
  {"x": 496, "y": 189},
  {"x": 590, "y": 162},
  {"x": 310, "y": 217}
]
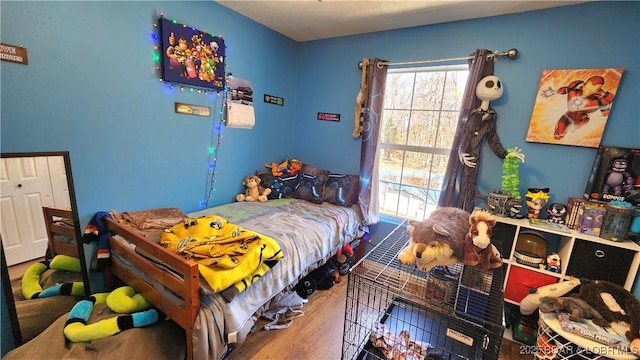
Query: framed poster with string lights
[{"x": 191, "y": 57}]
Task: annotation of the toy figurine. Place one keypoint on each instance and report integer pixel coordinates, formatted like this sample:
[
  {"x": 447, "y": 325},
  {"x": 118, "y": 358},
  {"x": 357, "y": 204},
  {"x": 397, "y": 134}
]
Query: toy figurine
[
  {"x": 618, "y": 177},
  {"x": 557, "y": 213},
  {"x": 480, "y": 124},
  {"x": 536, "y": 200},
  {"x": 514, "y": 211},
  {"x": 553, "y": 263}
]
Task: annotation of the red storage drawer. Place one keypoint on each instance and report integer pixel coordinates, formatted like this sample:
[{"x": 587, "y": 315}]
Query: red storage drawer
[{"x": 521, "y": 280}]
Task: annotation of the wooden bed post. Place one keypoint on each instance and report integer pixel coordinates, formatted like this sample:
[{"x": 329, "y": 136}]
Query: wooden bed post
[{"x": 139, "y": 252}]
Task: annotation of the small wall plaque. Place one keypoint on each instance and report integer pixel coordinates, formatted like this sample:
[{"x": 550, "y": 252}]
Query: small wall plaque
[
  {"x": 189, "y": 109},
  {"x": 270, "y": 99},
  {"x": 328, "y": 116},
  {"x": 13, "y": 53}
]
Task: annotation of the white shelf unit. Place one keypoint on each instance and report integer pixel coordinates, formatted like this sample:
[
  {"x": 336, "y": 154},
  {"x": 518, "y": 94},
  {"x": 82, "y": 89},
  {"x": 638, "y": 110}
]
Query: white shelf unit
[{"x": 576, "y": 250}]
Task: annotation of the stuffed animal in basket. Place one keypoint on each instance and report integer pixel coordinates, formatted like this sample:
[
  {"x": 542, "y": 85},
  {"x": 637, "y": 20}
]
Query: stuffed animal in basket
[
  {"x": 576, "y": 307},
  {"x": 253, "y": 191},
  {"x": 530, "y": 303},
  {"x": 615, "y": 303},
  {"x": 438, "y": 240},
  {"x": 478, "y": 250}
]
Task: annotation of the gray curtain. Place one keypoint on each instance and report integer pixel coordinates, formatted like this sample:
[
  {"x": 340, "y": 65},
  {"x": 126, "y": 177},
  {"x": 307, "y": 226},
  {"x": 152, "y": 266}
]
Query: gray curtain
[
  {"x": 455, "y": 192},
  {"x": 371, "y": 118}
]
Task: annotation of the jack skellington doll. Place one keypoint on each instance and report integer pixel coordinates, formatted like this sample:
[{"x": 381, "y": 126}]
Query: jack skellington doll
[{"x": 480, "y": 124}]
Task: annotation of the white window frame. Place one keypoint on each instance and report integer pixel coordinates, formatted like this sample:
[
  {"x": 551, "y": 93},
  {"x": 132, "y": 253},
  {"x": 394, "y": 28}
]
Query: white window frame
[{"x": 430, "y": 203}]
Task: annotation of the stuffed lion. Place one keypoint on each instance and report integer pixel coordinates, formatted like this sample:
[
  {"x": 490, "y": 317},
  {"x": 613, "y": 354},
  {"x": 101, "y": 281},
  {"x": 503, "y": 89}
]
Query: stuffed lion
[{"x": 438, "y": 240}]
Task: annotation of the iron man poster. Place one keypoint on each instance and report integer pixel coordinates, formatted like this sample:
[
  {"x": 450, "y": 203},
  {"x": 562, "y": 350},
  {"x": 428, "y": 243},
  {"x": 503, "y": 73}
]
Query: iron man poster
[{"x": 572, "y": 106}]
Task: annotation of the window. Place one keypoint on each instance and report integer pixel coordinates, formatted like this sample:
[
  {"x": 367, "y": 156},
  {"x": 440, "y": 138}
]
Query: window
[{"x": 419, "y": 119}]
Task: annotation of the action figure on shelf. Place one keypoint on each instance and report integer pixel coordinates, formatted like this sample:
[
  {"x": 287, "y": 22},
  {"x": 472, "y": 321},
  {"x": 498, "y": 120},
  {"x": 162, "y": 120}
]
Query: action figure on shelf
[
  {"x": 553, "y": 262},
  {"x": 481, "y": 124},
  {"x": 536, "y": 200},
  {"x": 618, "y": 177},
  {"x": 557, "y": 213}
]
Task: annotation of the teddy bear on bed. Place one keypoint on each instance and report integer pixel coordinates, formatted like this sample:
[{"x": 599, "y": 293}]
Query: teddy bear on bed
[{"x": 253, "y": 191}]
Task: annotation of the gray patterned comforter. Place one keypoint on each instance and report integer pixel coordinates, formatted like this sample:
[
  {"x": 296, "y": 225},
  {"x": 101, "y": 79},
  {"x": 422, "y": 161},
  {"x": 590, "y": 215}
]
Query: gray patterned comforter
[{"x": 308, "y": 234}]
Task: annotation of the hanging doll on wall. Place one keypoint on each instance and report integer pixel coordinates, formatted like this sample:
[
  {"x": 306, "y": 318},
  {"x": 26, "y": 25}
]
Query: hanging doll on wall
[{"x": 481, "y": 124}]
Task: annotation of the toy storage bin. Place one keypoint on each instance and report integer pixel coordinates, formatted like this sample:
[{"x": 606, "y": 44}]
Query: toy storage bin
[
  {"x": 457, "y": 310},
  {"x": 520, "y": 280},
  {"x": 598, "y": 261}
]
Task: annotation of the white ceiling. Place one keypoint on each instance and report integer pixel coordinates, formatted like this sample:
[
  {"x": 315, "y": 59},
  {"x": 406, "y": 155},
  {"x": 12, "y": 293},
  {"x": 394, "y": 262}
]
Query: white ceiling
[{"x": 304, "y": 20}]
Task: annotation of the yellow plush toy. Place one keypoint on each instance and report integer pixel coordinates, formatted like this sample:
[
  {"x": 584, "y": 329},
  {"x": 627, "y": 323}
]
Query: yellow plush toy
[
  {"x": 253, "y": 191},
  {"x": 30, "y": 285},
  {"x": 122, "y": 300}
]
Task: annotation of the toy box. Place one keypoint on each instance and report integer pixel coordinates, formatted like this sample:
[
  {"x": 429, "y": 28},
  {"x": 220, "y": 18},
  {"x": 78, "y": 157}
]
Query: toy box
[
  {"x": 590, "y": 218},
  {"x": 521, "y": 280},
  {"x": 615, "y": 175}
]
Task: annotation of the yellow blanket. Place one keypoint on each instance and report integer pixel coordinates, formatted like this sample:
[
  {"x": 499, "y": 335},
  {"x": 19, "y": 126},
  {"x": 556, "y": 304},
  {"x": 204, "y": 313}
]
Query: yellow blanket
[{"x": 226, "y": 253}]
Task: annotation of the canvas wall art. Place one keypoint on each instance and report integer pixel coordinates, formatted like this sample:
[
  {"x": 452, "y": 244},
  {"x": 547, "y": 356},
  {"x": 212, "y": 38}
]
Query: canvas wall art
[
  {"x": 192, "y": 57},
  {"x": 573, "y": 105}
]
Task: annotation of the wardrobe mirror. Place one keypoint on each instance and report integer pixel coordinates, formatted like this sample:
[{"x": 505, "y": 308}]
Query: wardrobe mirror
[{"x": 39, "y": 221}]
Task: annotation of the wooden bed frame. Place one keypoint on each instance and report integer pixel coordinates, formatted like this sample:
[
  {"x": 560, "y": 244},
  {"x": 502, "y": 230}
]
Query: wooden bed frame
[
  {"x": 187, "y": 288},
  {"x": 52, "y": 217}
]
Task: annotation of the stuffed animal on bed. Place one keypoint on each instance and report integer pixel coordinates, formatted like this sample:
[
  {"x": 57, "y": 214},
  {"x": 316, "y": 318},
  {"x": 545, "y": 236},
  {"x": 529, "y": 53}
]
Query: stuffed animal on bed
[
  {"x": 253, "y": 191},
  {"x": 478, "y": 250},
  {"x": 438, "y": 240},
  {"x": 615, "y": 303}
]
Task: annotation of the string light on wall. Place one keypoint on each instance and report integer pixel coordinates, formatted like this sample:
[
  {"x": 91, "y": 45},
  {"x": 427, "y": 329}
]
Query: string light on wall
[
  {"x": 194, "y": 58},
  {"x": 216, "y": 141}
]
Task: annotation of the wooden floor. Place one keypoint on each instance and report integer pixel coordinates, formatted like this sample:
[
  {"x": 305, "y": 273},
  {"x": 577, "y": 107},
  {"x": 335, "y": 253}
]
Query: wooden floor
[{"x": 318, "y": 334}]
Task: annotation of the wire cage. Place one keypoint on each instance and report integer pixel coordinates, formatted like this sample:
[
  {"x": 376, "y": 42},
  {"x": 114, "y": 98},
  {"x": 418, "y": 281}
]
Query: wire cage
[{"x": 395, "y": 311}]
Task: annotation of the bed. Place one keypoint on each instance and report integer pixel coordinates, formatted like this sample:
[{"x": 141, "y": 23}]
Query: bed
[
  {"x": 307, "y": 233},
  {"x": 61, "y": 231}
]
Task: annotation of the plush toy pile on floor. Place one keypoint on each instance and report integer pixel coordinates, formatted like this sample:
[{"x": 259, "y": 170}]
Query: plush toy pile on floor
[{"x": 326, "y": 275}]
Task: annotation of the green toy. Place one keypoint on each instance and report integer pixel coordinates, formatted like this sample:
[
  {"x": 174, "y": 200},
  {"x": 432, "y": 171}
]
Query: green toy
[
  {"x": 120, "y": 300},
  {"x": 511, "y": 176},
  {"x": 31, "y": 288}
]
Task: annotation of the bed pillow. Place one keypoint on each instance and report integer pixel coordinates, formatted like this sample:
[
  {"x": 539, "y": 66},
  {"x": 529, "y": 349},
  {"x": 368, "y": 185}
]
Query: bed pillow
[
  {"x": 310, "y": 188},
  {"x": 281, "y": 186},
  {"x": 311, "y": 184},
  {"x": 342, "y": 189}
]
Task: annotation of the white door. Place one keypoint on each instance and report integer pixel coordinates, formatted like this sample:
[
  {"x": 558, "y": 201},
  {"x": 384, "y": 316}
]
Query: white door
[{"x": 26, "y": 186}]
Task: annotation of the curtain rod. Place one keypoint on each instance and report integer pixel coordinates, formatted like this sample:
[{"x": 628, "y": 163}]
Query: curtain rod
[{"x": 511, "y": 54}]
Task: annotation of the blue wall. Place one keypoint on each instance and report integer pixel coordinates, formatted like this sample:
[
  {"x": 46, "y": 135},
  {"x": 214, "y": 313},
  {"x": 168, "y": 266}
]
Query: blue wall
[{"x": 90, "y": 88}]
